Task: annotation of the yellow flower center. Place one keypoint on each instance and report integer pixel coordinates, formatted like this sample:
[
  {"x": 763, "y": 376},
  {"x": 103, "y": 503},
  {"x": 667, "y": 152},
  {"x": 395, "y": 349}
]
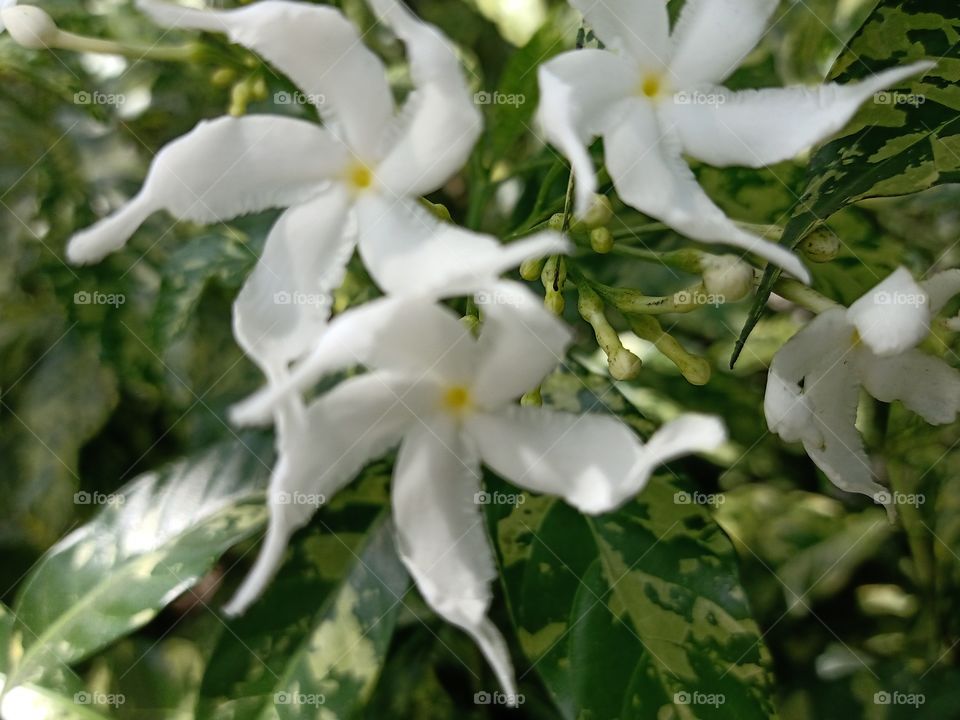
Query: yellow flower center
[
  {"x": 359, "y": 176},
  {"x": 855, "y": 339},
  {"x": 652, "y": 85},
  {"x": 457, "y": 399}
]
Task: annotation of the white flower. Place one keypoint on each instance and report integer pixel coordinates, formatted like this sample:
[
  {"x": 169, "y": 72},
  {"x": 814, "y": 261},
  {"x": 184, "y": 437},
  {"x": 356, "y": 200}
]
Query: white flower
[
  {"x": 449, "y": 400},
  {"x": 354, "y": 182},
  {"x": 813, "y": 388},
  {"x": 654, "y": 96}
]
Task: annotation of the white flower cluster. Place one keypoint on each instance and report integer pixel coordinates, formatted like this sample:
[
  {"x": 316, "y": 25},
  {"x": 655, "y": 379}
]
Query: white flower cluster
[{"x": 448, "y": 398}]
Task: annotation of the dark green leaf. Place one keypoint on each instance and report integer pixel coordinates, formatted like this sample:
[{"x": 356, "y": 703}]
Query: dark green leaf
[{"x": 905, "y": 141}]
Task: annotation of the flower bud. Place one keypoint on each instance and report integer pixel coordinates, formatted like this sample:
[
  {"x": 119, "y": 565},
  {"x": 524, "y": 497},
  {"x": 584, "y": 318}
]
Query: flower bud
[
  {"x": 554, "y": 302},
  {"x": 556, "y": 222},
  {"x": 623, "y": 364},
  {"x": 599, "y": 213},
  {"x": 532, "y": 399},
  {"x": 30, "y": 26},
  {"x": 601, "y": 240},
  {"x": 820, "y": 246},
  {"x": 530, "y": 269},
  {"x": 727, "y": 277}
]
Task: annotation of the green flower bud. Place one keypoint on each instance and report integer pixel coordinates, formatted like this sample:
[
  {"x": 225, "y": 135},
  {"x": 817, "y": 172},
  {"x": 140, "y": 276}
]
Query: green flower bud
[
  {"x": 531, "y": 269},
  {"x": 601, "y": 240},
  {"x": 554, "y": 302},
  {"x": 532, "y": 399},
  {"x": 222, "y": 77},
  {"x": 624, "y": 365},
  {"x": 599, "y": 214},
  {"x": 556, "y": 222}
]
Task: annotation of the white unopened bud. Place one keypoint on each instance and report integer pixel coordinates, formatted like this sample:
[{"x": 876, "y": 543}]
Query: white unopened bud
[
  {"x": 30, "y": 26},
  {"x": 726, "y": 276}
]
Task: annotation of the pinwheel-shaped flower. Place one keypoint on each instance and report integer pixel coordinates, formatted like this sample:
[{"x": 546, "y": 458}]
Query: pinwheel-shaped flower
[
  {"x": 355, "y": 181},
  {"x": 813, "y": 388},
  {"x": 448, "y": 399},
  {"x": 654, "y": 95}
]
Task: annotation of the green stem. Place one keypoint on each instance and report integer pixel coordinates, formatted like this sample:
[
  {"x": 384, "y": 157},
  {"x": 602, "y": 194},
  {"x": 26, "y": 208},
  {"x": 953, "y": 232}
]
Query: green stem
[{"x": 79, "y": 43}]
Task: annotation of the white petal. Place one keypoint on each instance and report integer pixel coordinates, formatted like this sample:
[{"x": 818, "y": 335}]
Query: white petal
[
  {"x": 285, "y": 303},
  {"x": 712, "y": 37},
  {"x": 441, "y": 538},
  {"x": 638, "y": 27},
  {"x": 894, "y": 316},
  {"x": 440, "y": 122},
  {"x": 409, "y": 336},
  {"x": 356, "y": 422},
  {"x": 833, "y": 398},
  {"x": 408, "y": 250},
  {"x": 519, "y": 344},
  {"x": 595, "y": 462},
  {"x": 941, "y": 288},
  {"x": 220, "y": 169},
  {"x": 650, "y": 174},
  {"x": 317, "y": 48},
  {"x": 815, "y": 349},
  {"x": 579, "y": 96},
  {"x": 761, "y": 127},
  {"x": 923, "y": 383}
]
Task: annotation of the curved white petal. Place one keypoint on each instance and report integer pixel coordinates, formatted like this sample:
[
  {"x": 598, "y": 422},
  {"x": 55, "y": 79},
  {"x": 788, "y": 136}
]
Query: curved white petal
[
  {"x": 640, "y": 28},
  {"x": 648, "y": 170},
  {"x": 285, "y": 303},
  {"x": 580, "y": 94},
  {"x": 712, "y": 37},
  {"x": 408, "y": 336},
  {"x": 220, "y": 169},
  {"x": 594, "y": 462},
  {"x": 440, "y": 122},
  {"x": 815, "y": 349},
  {"x": 520, "y": 342},
  {"x": 441, "y": 538},
  {"x": 317, "y": 48},
  {"x": 4, "y": 4},
  {"x": 833, "y": 397},
  {"x": 407, "y": 250},
  {"x": 894, "y": 316},
  {"x": 923, "y": 383},
  {"x": 319, "y": 453},
  {"x": 761, "y": 127},
  {"x": 941, "y": 288}
]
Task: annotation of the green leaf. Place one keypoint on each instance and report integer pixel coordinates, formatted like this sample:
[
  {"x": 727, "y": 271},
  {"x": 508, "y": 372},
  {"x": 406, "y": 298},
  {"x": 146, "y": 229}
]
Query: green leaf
[
  {"x": 905, "y": 141},
  {"x": 626, "y": 614},
  {"x": 148, "y": 544},
  {"x": 314, "y": 644},
  {"x": 62, "y": 403},
  {"x": 186, "y": 274},
  {"x": 511, "y": 108}
]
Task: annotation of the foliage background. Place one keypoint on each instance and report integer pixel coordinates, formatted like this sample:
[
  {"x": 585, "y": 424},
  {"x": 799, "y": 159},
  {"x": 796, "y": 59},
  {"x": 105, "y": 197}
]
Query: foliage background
[{"x": 810, "y": 596}]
